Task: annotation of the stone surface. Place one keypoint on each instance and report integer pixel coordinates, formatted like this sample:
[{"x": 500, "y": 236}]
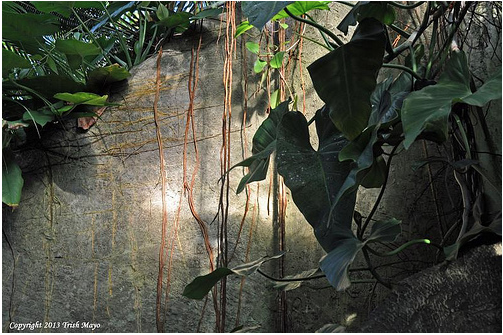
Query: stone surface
[{"x": 459, "y": 297}]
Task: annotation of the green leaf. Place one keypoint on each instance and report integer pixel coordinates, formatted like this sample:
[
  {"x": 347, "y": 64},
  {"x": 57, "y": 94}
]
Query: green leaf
[
  {"x": 52, "y": 84},
  {"x": 299, "y": 8},
  {"x": 381, "y": 11},
  {"x": 249, "y": 268},
  {"x": 277, "y": 61},
  {"x": 428, "y": 110},
  {"x": 336, "y": 263},
  {"x": 253, "y": 47},
  {"x": 259, "y": 66},
  {"x": 162, "y": 12},
  {"x": 275, "y": 99},
  {"x": 100, "y": 77},
  {"x": 11, "y": 60},
  {"x": 292, "y": 285},
  {"x": 346, "y": 77},
  {"x": 283, "y": 25},
  {"x": 180, "y": 19},
  {"x": 211, "y": 12},
  {"x": 12, "y": 180},
  {"x": 41, "y": 117},
  {"x": 242, "y": 28},
  {"x": 264, "y": 143},
  {"x": 385, "y": 230},
  {"x": 314, "y": 177},
  {"x": 83, "y": 98},
  {"x": 78, "y": 48},
  {"x": 201, "y": 285},
  {"x": 350, "y": 18},
  {"x": 26, "y": 27},
  {"x": 260, "y": 12},
  {"x": 61, "y": 7}
]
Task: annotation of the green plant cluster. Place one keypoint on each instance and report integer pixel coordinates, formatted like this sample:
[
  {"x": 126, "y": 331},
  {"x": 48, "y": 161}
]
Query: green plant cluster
[
  {"x": 361, "y": 122},
  {"x": 61, "y": 55}
]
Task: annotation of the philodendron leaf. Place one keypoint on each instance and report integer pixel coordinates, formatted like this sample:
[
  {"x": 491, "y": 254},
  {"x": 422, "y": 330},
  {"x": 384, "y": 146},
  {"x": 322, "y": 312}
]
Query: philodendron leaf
[
  {"x": 277, "y": 60},
  {"x": 83, "y": 98},
  {"x": 11, "y": 60},
  {"x": 336, "y": 263},
  {"x": 62, "y": 7},
  {"x": 314, "y": 177},
  {"x": 350, "y": 18},
  {"x": 428, "y": 109},
  {"x": 264, "y": 143},
  {"x": 41, "y": 117},
  {"x": 260, "y": 12},
  {"x": 200, "y": 286},
  {"x": 346, "y": 77},
  {"x": 253, "y": 47},
  {"x": 385, "y": 230},
  {"x": 381, "y": 11},
  {"x": 12, "y": 180},
  {"x": 299, "y": 8},
  {"x": 292, "y": 285},
  {"x": 242, "y": 28}
]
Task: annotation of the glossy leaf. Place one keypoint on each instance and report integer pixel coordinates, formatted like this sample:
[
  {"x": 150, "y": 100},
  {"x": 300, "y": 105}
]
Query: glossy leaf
[
  {"x": 11, "y": 60},
  {"x": 314, "y": 177},
  {"x": 381, "y": 11},
  {"x": 253, "y": 47},
  {"x": 162, "y": 12},
  {"x": 264, "y": 143},
  {"x": 260, "y": 12},
  {"x": 242, "y": 28},
  {"x": 299, "y": 8},
  {"x": 83, "y": 98},
  {"x": 259, "y": 66},
  {"x": 201, "y": 285},
  {"x": 76, "y": 47},
  {"x": 41, "y": 117},
  {"x": 336, "y": 263},
  {"x": 12, "y": 180},
  {"x": 25, "y": 27},
  {"x": 428, "y": 110},
  {"x": 346, "y": 77},
  {"x": 277, "y": 61}
]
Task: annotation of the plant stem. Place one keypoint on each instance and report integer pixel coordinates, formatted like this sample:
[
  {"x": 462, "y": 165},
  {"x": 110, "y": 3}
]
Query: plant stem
[
  {"x": 346, "y": 3},
  {"x": 314, "y": 41},
  {"x": 317, "y": 26},
  {"x": 404, "y": 246},
  {"x": 288, "y": 279},
  {"x": 402, "y": 6},
  {"x": 372, "y": 270},
  {"x": 379, "y": 197},
  {"x": 403, "y": 68},
  {"x": 399, "y": 30}
]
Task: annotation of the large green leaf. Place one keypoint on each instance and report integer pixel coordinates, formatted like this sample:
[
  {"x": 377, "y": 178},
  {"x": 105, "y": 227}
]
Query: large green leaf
[
  {"x": 200, "y": 286},
  {"x": 381, "y": 11},
  {"x": 52, "y": 84},
  {"x": 25, "y": 27},
  {"x": 11, "y": 60},
  {"x": 76, "y": 47},
  {"x": 260, "y": 12},
  {"x": 346, "y": 77},
  {"x": 350, "y": 18},
  {"x": 336, "y": 263},
  {"x": 100, "y": 77},
  {"x": 314, "y": 177},
  {"x": 61, "y": 7},
  {"x": 12, "y": 180},
  {"x": 264, "y": 143},
  {"x": 385, "y": 230},
  {"x": 428, "y": 110},
  {"x": 299, "y": 8},
  {"x": 41, "y": 116},
  {"x": 83, "y": 98}
]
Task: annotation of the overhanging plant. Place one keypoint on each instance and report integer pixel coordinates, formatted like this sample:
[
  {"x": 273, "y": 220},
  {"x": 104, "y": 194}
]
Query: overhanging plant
[{"x": 361, "y": 122}]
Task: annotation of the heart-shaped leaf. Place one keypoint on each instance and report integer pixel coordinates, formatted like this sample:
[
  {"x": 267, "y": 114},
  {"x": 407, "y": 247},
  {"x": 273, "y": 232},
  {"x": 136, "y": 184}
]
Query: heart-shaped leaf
[
  {"x": 299, "y": 8},
  {"x": 314, "y": 177},
  {"x": 346, "y": 77},
  {"x": 200, "y": 286},
  {"x": 264, "y": 143},
  {"x": 260, "y": 12},
  {"x": 428, "y": 110}
]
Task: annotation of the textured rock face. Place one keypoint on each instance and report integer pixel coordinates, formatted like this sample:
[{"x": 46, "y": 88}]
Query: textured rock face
[{"x": 462, "y": 296}]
